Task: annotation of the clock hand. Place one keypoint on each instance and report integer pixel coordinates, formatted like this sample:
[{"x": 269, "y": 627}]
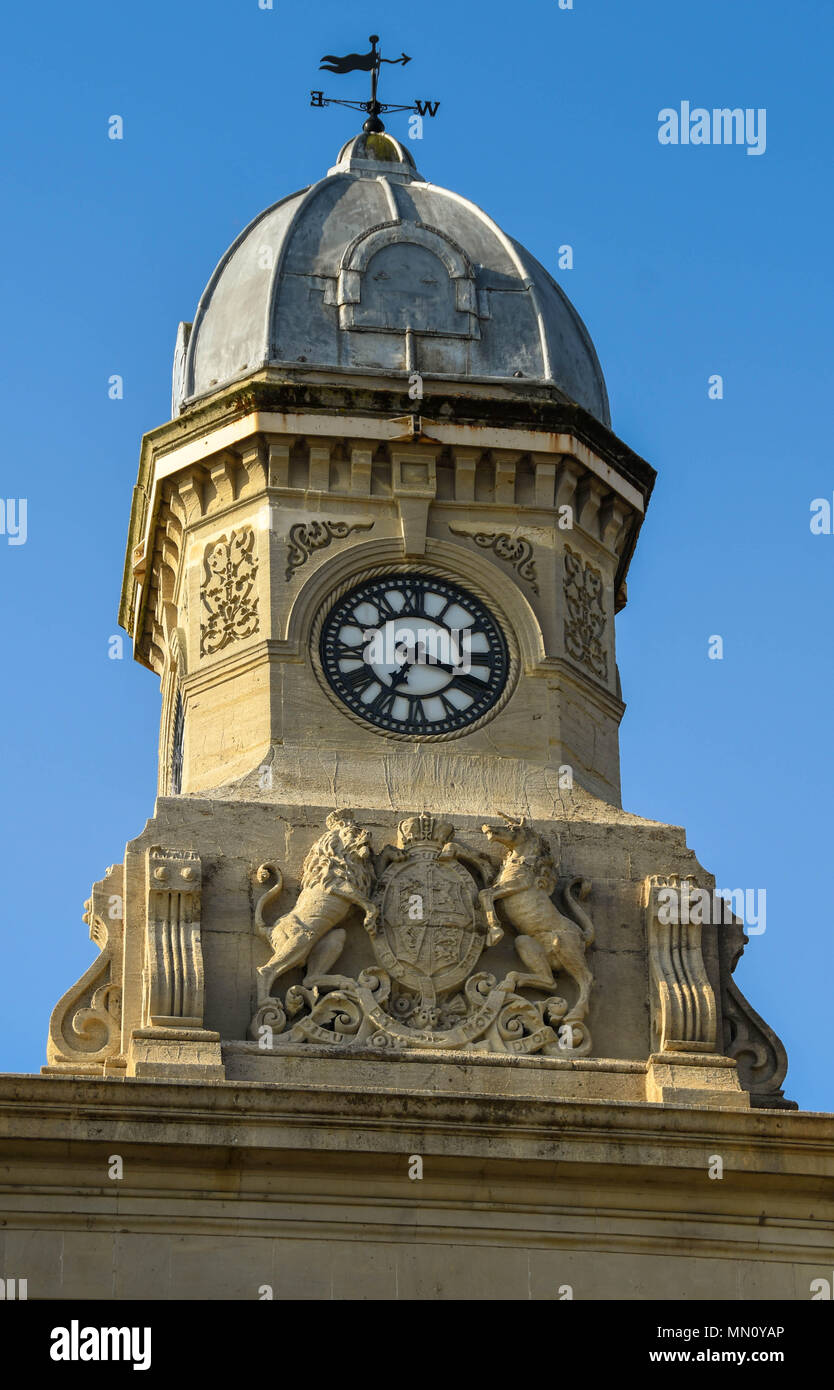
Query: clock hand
[
  {"x": 403, "y": 670},
  {"x": 455, "y": 668}
]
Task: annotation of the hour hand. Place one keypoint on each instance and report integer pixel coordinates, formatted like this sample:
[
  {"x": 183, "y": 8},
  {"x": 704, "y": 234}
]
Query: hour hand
[{"x": 401, "y": 672}]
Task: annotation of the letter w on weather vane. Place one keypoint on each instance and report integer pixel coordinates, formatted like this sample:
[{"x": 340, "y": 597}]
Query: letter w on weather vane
[{"x": 368, "y": 62}]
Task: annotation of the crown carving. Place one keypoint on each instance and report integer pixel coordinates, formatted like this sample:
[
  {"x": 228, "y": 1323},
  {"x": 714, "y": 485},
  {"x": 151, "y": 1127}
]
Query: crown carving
[{"x": 424, "y": 829}]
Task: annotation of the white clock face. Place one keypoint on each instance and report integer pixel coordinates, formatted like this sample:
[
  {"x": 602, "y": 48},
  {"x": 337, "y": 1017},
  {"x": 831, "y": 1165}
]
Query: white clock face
[{"x": 414, "y": 655}]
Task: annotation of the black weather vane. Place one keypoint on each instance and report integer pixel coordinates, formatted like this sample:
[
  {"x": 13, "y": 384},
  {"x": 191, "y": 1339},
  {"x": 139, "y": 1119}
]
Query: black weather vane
[{"x": 369, "y": 62}]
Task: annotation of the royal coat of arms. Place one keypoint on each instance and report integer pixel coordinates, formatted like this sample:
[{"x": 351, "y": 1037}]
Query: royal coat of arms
[{"x": 428, "y": 907}]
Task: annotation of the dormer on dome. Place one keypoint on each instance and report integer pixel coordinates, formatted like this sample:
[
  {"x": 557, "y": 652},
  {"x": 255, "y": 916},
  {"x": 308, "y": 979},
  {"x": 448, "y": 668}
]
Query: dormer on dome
[{"x": 372, "y": 269}]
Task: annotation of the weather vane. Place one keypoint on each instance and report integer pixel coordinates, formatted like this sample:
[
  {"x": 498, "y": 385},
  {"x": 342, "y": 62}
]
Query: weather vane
[{"x": 368, "y": 62}]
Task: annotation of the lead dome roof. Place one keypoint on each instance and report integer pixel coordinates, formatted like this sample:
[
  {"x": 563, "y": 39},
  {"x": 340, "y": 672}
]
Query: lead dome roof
[{"x": 373, "y": 268}]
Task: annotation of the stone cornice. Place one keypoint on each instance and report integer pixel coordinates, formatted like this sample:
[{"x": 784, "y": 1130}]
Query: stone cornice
[
  {"x": 470, "y": 415},
  {"x": 530, "y": 407},
  {"x": 475, "y": 1122}
]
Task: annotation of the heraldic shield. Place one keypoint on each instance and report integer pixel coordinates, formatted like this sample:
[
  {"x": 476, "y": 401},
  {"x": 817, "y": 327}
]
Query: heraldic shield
[{"x": 431, "y": 932}]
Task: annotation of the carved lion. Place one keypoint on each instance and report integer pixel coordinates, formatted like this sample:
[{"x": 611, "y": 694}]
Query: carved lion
[{"x": 337, "y": 875}]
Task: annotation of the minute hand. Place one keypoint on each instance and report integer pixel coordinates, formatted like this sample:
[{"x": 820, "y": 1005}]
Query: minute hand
[
  {"x": 462, "y": 672},
  {"x": 408, "y": 666}
]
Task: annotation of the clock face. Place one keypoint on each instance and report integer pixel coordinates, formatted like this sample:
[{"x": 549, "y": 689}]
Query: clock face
[{"x": 414, "y": 655}]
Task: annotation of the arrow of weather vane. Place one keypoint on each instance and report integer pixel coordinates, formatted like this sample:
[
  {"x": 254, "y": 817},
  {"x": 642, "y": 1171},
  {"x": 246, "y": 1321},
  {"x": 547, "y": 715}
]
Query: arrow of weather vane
[{"x": 368, "y": 62}]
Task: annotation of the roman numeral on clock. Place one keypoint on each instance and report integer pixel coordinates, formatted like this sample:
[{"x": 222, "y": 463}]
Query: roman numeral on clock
[
  {"x": 383, "y": 703},
  {"x": 342, "y": 651},
  {"x": 415, "y": 601},
  {"x": 416, "y": 712},
  {"x": 358, "y": 681},
  {"x": 451, "y": 711},
  {"x": 470, "y": 685},
  {"x": 385, "y": 609}
]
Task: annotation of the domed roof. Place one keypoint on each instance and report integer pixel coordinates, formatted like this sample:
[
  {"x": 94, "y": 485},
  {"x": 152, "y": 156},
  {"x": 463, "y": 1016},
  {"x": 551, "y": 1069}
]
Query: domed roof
[{"x": 374, "y": 269}]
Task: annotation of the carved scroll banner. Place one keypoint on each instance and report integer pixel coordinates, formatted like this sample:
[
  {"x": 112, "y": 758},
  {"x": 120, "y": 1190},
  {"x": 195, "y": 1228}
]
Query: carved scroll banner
[
  {"x": 682, "y": 999},
  {"x": 173, "y": 978},
  {"x": 760, "y": 1054}
]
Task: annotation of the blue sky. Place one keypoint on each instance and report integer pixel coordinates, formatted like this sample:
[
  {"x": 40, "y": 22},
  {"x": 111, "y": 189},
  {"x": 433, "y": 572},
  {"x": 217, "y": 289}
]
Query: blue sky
[{"x": 688, "y": 261}]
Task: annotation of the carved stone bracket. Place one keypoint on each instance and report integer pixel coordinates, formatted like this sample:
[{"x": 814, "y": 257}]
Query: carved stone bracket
[
  {"x": 85, "y": 1028},
  {"x": 173, "y": 977},
  {"x": 682, "y": 998},
  {"x": 762, "y": 1060},
  {"x": 308, "y": 536},
  {"x": 761, "y": 1057},
  {"x": 513, "y": 550}
]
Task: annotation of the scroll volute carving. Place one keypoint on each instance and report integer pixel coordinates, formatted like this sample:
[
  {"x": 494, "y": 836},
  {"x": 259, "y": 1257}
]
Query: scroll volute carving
[
  {"x": 682, "y": 999},
  {"x": 760, "y": 1055},
  {"x": 85, "y": 1028},
  {"x": 173, "y": 976}
]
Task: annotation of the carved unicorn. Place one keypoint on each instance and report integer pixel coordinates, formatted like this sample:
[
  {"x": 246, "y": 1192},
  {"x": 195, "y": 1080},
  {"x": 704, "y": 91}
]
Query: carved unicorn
[{"x": 547, "y": 940}]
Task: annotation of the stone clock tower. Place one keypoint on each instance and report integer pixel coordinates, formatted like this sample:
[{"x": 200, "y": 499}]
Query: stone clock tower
[{"x": 389, "y": 913}]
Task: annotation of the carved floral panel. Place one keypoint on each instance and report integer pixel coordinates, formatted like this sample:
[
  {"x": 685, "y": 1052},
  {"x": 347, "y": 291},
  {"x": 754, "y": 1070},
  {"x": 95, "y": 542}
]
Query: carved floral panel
[
  {"x": 228, "y": 591},
  {"x": 585, "y": 615}
]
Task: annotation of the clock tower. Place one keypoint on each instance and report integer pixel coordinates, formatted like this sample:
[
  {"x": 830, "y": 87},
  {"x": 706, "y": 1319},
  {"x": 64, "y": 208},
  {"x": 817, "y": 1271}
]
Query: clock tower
[
  {"x": 389, "y": 903},
  {"x": 390, "y": 437}
]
